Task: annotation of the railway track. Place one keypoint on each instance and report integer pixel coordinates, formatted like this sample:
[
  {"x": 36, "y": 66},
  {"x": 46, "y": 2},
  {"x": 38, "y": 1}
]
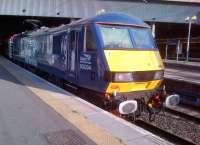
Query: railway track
[
  {"x": 192, "y": 116},
  {"x": 174, "y": 125},
  {"x": 163, "y": 133}
]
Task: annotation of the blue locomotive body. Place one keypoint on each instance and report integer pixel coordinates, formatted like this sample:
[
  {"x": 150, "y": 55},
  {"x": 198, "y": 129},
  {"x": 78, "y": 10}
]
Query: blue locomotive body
[
  {"x": 111, "y": 53},
  {"x": 63, "y": 52}
]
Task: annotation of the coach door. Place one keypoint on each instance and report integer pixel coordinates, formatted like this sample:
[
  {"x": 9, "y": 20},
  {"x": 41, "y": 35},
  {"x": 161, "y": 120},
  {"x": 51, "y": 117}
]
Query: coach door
[{"x": 73, "y": 56}]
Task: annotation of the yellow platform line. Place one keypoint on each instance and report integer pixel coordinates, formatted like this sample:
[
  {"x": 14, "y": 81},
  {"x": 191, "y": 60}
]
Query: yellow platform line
[{"x": 94, "y": 132}]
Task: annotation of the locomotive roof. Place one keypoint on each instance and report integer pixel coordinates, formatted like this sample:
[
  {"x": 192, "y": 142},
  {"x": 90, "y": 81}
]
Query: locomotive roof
[
  {"x": 115, "y": 18},
  {"x": 118, "y": 18}
]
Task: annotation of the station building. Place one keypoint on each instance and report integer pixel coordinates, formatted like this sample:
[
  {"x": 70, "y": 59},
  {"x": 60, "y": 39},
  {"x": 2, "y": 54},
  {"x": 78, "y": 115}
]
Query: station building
[{"x": 167, "y": 18}]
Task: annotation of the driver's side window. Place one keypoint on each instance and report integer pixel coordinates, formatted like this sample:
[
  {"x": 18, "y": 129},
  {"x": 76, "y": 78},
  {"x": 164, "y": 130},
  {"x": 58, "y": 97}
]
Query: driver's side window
[{"x": 90, "y": 44}]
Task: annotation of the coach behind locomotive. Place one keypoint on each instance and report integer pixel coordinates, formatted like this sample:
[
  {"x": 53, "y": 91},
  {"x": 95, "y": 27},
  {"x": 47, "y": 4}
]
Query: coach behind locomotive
[{"x": 112, "y": 54}]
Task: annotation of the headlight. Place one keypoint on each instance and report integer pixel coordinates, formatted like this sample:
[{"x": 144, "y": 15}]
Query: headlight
[
  {"x": 159, "y": 75},
  {"x": 123, "y": 77}
]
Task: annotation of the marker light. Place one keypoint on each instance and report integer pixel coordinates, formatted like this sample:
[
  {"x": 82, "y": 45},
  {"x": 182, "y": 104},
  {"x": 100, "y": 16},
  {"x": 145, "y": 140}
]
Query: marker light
[
  {"x": 128, "y": 107},
  {"x": 172, "y": 100},
  {"x": 123, "y": 77},
  {"x": 159, "y": 75}
]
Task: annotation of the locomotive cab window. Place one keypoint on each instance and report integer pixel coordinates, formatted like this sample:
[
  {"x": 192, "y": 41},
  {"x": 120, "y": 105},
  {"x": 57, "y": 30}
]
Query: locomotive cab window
[
  {"x": 142, "y": 38},
  {"x": 116, "y": 37},
  {"x": 56, "y": 44},
  {"x": 124, "y": 37},
  {"x": 90, "y": 45}
]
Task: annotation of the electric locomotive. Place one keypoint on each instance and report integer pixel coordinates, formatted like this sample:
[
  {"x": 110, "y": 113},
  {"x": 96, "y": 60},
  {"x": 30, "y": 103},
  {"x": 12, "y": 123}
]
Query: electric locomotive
[{"x": 112, "y": 54}]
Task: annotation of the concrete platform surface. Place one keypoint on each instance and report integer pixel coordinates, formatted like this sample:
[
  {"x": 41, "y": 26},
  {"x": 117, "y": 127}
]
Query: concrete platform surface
[
  {"x": 183, "y": 75},
  {"x": 183, "y": 65},
  {"x": 36, "y": 112},
  {"x": 189, "y": 63}
]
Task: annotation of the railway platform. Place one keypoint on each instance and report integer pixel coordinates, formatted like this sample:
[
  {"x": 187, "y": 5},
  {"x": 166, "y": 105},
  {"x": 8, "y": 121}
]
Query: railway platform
[
  {"x": 183, "y": 78},
  {"x": 187, "y": 76},
  {"x": 36, "y": 112},
  {"x": 182, "y": 65},
  {"x": 183, "y": 71}
]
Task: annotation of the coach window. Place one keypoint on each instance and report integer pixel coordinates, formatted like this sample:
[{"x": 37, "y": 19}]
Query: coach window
[
  {"x": 56, "y": 44},
  {"x": 90, "y": 45}
]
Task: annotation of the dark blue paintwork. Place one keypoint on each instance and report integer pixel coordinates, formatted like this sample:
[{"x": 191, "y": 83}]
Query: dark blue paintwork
[
  {"x": 120, "y": 18},
  {"x": 51, "y": 50}
]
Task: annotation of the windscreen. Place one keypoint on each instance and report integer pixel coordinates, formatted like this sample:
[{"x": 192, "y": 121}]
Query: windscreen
[{"x": 115, "y": 37}]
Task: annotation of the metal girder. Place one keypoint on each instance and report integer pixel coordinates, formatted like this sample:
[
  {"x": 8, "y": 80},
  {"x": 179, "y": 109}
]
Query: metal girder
[{"x": 151, "y": 11}]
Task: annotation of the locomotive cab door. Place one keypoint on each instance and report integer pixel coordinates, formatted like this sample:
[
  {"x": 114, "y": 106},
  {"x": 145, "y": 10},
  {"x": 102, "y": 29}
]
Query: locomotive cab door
[
  {"x": 72, "y": 69},
  {"x": 88, "y": 59}
]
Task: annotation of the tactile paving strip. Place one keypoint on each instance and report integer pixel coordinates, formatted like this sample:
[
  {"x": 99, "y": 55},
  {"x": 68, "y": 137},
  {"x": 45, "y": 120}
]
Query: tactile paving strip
[{"x": 64, "y": 137}]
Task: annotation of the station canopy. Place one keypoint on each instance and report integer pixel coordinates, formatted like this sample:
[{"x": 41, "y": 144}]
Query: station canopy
[{"x": 174, "y": 11}]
